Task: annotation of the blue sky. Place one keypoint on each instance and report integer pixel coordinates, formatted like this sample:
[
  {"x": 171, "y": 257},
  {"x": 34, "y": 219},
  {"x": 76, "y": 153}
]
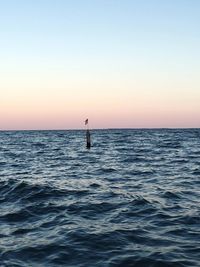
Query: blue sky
[
  {"x": 99, "y": 28},
  {"x": 107, "y": 43}
]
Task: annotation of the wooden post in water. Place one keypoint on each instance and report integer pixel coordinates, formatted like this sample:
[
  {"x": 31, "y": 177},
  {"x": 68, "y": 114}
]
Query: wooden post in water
[{"x": 88, "y": 139}]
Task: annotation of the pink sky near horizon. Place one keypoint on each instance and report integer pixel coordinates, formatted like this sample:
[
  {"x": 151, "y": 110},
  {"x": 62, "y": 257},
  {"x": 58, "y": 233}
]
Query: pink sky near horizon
[
  {"x": 129, "y": 107},
  {"x": 57, "y": 102}
]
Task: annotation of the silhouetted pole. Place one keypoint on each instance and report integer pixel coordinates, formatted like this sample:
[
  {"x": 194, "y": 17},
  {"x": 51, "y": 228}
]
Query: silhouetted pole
[
  {"x": 88, "y": 145},
  {"x": 88, "y": 139}
]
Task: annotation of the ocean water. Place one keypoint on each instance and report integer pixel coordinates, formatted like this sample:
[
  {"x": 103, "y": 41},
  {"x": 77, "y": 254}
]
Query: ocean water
[{"x": 133, "y": 199}]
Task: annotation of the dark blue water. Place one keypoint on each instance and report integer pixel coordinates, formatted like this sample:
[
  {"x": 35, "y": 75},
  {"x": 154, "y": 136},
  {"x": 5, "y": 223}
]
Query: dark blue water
[{"x": 133, "y": 199}]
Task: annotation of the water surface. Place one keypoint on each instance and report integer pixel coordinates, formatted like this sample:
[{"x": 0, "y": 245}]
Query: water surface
[{"x": 133, "y": 199}]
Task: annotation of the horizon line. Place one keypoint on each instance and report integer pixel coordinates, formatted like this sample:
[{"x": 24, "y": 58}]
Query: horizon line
[{"x": 96, "y": 129}]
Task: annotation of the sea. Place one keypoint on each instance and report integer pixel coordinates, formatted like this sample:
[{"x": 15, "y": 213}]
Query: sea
[{"x": 132, "y": 199}]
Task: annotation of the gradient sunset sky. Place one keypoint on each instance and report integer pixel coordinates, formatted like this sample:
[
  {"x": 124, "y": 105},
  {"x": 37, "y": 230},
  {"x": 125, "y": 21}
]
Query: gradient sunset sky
[{"x": 120, "y": 63}]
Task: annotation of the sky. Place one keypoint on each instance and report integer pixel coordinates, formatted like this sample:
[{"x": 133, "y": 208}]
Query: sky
[{"x": 120, "y": 63}]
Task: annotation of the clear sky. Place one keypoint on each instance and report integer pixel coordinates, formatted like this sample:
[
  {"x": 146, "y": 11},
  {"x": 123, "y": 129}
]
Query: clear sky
[{"x": 120, "y": 63}]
